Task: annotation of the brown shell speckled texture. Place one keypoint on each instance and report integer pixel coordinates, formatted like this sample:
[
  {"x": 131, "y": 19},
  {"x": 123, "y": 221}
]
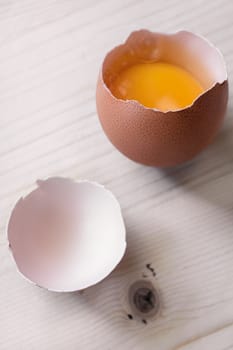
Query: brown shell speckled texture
[{"x": 152, "y": 137}]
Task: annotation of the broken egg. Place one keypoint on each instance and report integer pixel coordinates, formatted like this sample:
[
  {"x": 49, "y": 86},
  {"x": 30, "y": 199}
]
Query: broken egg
[
  {"x": 161, "y": 98},
  {"x": 65, "y": 235}
]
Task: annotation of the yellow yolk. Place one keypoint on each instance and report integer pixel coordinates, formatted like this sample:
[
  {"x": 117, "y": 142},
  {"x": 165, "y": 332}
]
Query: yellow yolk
[{"x": 157, "y": 85}]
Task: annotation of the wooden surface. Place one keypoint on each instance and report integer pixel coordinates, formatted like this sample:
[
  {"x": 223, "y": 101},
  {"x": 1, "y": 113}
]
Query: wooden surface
[{"x": 179, "y": 220}]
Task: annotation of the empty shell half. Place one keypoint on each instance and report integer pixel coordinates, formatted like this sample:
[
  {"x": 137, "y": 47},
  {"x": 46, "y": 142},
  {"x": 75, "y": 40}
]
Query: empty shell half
[{"x": 66, "y": 235}]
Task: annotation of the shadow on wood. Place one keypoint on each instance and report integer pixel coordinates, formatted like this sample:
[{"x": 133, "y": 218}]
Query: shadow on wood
[{"x": 210, "y": 175}]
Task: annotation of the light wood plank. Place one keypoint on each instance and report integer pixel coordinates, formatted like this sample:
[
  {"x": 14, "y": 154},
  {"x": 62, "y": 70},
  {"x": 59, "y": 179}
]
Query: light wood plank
[{"x": 179, "y": 220}]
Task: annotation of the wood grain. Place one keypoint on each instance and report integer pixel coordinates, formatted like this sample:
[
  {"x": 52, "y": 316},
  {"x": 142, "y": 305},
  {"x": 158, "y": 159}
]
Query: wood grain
[{"x": 179, "y": 220}]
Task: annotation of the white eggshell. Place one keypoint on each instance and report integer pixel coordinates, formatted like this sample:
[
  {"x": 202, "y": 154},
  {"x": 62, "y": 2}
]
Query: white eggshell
[{"x": 66, "y": 235}]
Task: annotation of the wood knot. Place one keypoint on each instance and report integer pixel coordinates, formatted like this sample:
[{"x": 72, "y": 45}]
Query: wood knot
[{"x": 144, "y": 299}]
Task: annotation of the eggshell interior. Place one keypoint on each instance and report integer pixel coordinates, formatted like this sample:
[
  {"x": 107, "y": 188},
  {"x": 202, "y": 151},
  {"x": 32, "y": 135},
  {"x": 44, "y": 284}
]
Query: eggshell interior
[
  {"x": 67, "y": 235},
  {"x": 187, "y": 50}
]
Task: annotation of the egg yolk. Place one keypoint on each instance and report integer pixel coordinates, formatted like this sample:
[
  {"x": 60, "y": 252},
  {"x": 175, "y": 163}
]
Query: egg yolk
[{"x": 159, "y": 85}]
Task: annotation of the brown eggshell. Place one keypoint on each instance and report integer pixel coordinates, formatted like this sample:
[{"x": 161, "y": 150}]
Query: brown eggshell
[{"x": 150, "y": 136}]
